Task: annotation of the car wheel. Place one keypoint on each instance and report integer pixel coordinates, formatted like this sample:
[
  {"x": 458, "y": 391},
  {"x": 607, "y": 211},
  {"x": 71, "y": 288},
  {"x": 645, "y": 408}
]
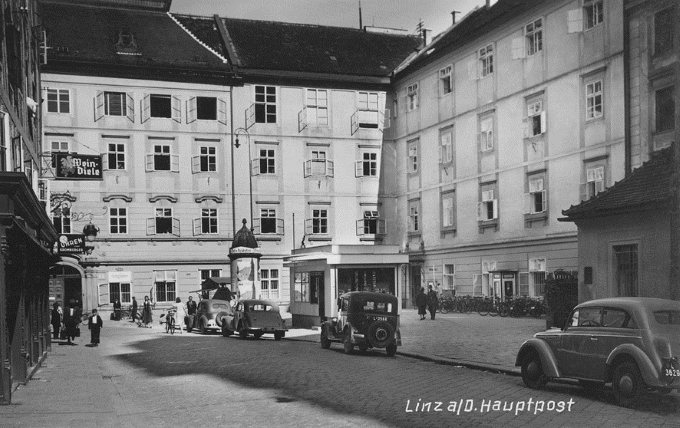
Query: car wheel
[
  {"x": 225, "y": 331},
  {"x": 325, "y": 341},
  {"x": 202, "y": 328},
  {"x": 363, "y": 347},
  {"x": 347, "y": 342},
  {"x": 278, "y": 335},
  {"x": 627, "y": 384},
  {"x": 391, "y": 350},
  {"x": 532, "y": 372},
  {"x": 380, "y": 333}
]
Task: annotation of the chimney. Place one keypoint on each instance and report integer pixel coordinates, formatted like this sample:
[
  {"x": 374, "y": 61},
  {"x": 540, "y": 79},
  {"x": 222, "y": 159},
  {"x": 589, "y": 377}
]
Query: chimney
[
  {"x": 425, "y": 32},
  {"x": 453, "y": 16}
]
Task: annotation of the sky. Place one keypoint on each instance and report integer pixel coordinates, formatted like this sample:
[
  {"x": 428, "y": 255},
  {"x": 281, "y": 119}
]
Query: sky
[{"x": 401, "y": 14}]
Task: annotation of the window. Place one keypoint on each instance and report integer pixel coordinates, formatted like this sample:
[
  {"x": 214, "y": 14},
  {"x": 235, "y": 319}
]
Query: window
[
  {"x": 317, "y": 107},
  {"x": 534, "y": 36},
  {"x": 57, "y": 147},
  {"x": 446, "y": 85},
  {"x": 448, "y": 213},
  {"x": 626, "y": 269},
  {"x": 62, "y": 221},
  {"x": 161, "y": 158},
  {"x": 58, "y": 101},
  {"x": 163, "y": 220},
  {"x": 160, "y": 106},
  {"x": 368, "y": 166},
  {"x": 267, "y": 220},
  {"x": 206, "y": 108},
  {"x": 414, "y": 219},
  {"x": 301, "y": 287},
  {"x": 616, "y": 318},
  {"x": 586, "y": 317},
  {"x": 116, "y": 156},
  {"x": 412, "y": 96},
  {"x": 318, "y": 165},
  {"x": 119, "y": 291},
  {"x": 665, "y": 109},
  {"x": 486, "y": 60},
  {"x": 319, "y": 221},
  {"x": 663, "y": 31},
  {"x": 486, "y": 137},
  {"x": 208, "y": 159},
  {"x": 537, "y": 200},
  {"x": 117, "y": 221},
  {"x": 594, "y": 181},
  {"x": 265, "y": 163},
  {"x": 209, "y": 220},
  {"x": 449, "y": 277},
  {"x": 165, "y": 283},
  {"x": 114, "y": 103},
  {"x": 269, "y": 280},
  {"x": 265, "y": 104},
  {"x": 488, "y": 208},
  {"x": 538, "y": 279},
  {"x": 413, "y": 156},
  {"x": 371, "y": 224},
  {"x": 535, "y": 123},
  {"x": 446, "y": 146},
  {"x": 210, "y": 273},
  {"x": 368, "y": 109},
  {"x": 594, "y": 100},
  {"x": 594, "y": 14}
]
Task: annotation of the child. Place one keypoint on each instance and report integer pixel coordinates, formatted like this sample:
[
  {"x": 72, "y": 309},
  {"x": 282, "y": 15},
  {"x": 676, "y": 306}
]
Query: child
[{"x": 95, "y": 325}]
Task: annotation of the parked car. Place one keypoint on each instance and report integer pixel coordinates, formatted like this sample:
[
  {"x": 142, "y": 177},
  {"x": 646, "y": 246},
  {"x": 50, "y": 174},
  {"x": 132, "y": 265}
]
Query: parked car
[
  {"x": 211, "y": 314},
  {"x": 256, "y": 317},
  {"x": 632, "y": 342},
  {"x": 367, "y": 319}
]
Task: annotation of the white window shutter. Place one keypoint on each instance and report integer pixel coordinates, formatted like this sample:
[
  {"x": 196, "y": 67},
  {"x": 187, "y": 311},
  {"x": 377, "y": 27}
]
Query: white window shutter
[
  {"x": 221, "y": 111},
  {"x": 309, "y": 226},
  {"x": 495, "y": 208},
  {"x": 99, "y": 106},
  {"x": 544, "y": 207},
  {"x": 195, "y": 164},
  {"x": 473, "y": 71},
  {"x": 175, "y": 226},
  {"x": 279, "y": 226},
  {"x": 150, "y": 162},
  {"x": 250, "y": 116},
  {"x": 151, "y": 226},
  {"x": 191, "y": 110},
  {"x": 528, "y": 205},
  {"x": 590, "y": 175},
  {"x": 384, "y": 119},
  {"x": 382, "y": 227},
  {"x": 359, "y": 168},
  {"x": 103, "y": 294},
  {"x": 575, "y": 21},
  {"x": 354, "y": 122},
  {"x": 599, "y": 173},
  {"x": 330, "y": 168},
  {"x": 145, "y": 110},
  {"x": 307, "y": 165},
  {"x": 302, "y": 119},
  {"x": 519, "y": 48},
  {"x": 130, "y": 108},
  {"x": 441, "y": 154},
  {"x": 174, "y": 163},
  {"x": 197, "y": 226},
  {"x": 360, "y": 227},
  {"x": 176, "y": 109},
  {"x": 544, "y": 126},
  {"x": 599, "y": 186},
  {"x": 105, "y": 161},
  {"x": 255, "y": 167}
]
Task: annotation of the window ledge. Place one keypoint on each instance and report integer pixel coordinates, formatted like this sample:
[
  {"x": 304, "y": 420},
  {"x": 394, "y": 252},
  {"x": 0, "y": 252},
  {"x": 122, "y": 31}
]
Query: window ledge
[
  {"x": 450, "y": 229},
  {"x": 532, "y": 137},
  {"x": 595, "y": 119},
  {"x": 412, "y": 234},
  {"x": 371, "y": 239},
  {"x": 319, "y": 238},
  {"x": 268, "y": 237},
  {"x": 487, "y": 224},
  {"x": 536, "y": 216}
]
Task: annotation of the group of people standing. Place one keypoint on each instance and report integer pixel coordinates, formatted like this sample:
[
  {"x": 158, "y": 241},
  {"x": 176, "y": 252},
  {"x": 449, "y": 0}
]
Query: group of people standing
[
  {"x": 65, "y": 323},
  {"x": 184, "y": 314},
  {"x": 429, "y": 301}
]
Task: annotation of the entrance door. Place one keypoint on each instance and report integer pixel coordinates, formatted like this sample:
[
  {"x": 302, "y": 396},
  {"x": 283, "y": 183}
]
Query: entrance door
[
  {"x": 318, "y": 285},
  {"x": 415, "y": 283},
  {"x": 508, "y": 287}
]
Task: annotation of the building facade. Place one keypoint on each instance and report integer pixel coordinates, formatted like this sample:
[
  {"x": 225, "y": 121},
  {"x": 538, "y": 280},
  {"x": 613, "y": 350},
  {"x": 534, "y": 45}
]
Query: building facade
[{"x": 513, "y": 114}]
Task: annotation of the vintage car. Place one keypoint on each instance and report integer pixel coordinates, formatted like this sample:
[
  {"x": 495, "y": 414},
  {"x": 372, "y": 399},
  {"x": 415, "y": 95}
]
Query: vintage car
[
  {"x": 366, "y": 319},
  {"x": 632, "y": 342},
  {"x": 211, "y": 314},
  {"x": 256, "y": 317}
]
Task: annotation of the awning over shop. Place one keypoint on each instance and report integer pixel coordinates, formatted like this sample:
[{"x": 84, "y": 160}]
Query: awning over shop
[{"x": 348, "y": 255}]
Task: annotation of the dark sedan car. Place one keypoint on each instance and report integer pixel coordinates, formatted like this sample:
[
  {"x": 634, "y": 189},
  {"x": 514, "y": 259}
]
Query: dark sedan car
[
  {"x": 632, "y": 342},
  {"x": 256, "y": 317}
]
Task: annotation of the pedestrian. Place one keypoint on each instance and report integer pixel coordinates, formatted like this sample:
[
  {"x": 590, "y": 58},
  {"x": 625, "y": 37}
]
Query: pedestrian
[
  {"x": 56, "y": 319},
  {"x": 71, "y": 320},
  {"x": 116, "y": 310},
  {"x": 421, "y": 302},
  {"x": 432, "y": 302},
  {"x": 134, "y": 309},
  {"x": 95, "y": 325},
  {"x": 191, "y": 313},
  {"x": 180, "y": 313},
  {"x": 147, "y": 318}
]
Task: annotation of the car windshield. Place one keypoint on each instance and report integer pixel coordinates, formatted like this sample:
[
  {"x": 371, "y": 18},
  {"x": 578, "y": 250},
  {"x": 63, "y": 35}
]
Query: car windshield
[
  {"x": 219, "y": 306},
  {"x": 667, "y": 317}
]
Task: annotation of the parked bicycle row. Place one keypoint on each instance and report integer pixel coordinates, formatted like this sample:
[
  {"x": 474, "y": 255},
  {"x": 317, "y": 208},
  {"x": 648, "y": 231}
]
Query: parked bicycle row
[{"x": 514, "y": 307}]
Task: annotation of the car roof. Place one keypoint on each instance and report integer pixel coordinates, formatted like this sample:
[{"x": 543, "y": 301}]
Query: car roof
[
  {"x": 634, "y": 303},
  {"x": 370, "y": 294},
  {"x": 211, "y": 301},
  {"x": 259, "y": 302}
]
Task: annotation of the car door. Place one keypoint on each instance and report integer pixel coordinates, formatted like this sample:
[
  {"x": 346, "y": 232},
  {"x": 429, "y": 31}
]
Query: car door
[
  {"x": 618, "y": 327},
  {"x": 342, "y": 315},
  {"x": 577, "y": 354}
]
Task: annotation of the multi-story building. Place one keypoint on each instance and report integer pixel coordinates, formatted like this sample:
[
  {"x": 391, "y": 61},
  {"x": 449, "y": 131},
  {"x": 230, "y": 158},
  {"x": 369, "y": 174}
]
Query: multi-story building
[
  {"x": 26, "y": 232},
  {"x": 511, "y": 115}
]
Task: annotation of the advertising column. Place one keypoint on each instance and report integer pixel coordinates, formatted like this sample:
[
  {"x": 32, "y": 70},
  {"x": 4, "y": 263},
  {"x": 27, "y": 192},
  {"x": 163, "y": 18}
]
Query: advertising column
[{"x": 245, "y": 264}]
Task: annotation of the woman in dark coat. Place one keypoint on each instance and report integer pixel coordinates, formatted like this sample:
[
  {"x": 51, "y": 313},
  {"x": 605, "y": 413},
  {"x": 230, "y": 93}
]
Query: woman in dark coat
[
  {"x": 146, "y": 312},
  {"x": 56, "y": 319},
  {"x": 421, "y": 303},
  {"x": 134, "y": 309},
  {"x": 116, "y": 310}
]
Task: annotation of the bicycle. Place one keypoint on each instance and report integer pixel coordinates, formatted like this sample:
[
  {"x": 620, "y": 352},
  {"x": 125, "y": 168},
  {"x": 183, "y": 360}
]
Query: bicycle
[{"x": 169, "y": 321}]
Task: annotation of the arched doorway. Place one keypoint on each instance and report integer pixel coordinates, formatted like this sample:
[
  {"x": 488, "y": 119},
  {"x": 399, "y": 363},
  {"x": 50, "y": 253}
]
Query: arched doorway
[{"x": 66, "y": 283}]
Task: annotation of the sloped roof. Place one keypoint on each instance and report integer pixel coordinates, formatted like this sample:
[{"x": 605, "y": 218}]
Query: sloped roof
[
  {"x": 287, "y": 47},
  {"x": 87, "y": 40},
  {"x": 648, "y": 186}
]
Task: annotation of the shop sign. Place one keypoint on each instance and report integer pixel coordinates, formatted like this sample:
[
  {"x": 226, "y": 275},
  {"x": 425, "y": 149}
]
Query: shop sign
[
  {"x": 245, "y": 251},
  {"x": 73, "y": 166},
  {"x": 124, "y": 277},
  {"x": 71, "y": 243}
]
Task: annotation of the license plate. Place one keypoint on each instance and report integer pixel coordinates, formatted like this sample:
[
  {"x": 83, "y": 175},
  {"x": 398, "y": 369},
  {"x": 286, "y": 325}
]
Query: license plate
[{"x": 672, "y": 372}]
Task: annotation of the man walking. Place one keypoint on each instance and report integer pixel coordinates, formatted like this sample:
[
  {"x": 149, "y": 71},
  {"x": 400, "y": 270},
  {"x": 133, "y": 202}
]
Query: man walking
[
  {"x": 432, "y": 302},
  {"x": 95, "y": 325}
]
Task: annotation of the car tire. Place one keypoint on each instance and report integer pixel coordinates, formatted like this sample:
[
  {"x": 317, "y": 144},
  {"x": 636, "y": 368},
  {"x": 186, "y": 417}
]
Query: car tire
[
  {"x": 532, "y": 371},
  {"x": 627, "y": 384},
  {"x": 202, "y": 328},
  {"x": 391, "y": 350},
  {"x": 278, "y": 335},
  {"x": 325, "y": 341},
  {"x": 348, "y": 347},
  {"x": 380, "y": 333}
]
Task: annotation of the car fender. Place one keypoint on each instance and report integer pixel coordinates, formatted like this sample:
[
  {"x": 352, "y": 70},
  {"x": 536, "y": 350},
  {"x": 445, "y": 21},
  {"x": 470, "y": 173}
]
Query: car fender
[
  {"x": 548, "y": 360},
  {"x": 649, "y": 373}
]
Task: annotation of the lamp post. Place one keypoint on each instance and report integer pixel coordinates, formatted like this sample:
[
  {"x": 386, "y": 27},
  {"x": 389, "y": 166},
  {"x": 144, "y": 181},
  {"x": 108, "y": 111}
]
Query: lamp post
[
  {"x": 250, "y": 175},
  {"x": 90, "y": 231}
]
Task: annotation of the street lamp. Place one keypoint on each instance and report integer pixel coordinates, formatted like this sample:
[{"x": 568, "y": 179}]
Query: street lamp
[
  {"x": 90, "y": 231},
  {"x": 250, "y": 162}
]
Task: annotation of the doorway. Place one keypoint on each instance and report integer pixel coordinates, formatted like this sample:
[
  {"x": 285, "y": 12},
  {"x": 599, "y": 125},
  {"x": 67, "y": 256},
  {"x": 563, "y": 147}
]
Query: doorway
[
  {"x": 317, "y": 284},
  {"x": 66, "y": 285}
]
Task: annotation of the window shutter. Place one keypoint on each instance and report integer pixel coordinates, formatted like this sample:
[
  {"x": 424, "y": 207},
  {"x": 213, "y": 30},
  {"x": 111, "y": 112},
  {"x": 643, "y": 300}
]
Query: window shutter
[
  {"x": 354, "y": 122},
  {"x": 176, "y": 109},
  {"x": 174, "y": 163},
  {"x": 330, "y": 168},
  {"x": 257, "y": 226},
  {"x": 302, "y": 119},
  {"x": 105, "y": 161},
  {"x": 480, "y": 211},
  {"x": 543, "y": 123},
  {"x": 519, "y": 48},
  {"x": 599, "y": 186},
  {"x": 473, "y": 72},
  {"x": 149, "y": 162},
  {"x": 151, "y": 226},
  {"x": 44, "y": 192},
  {"x": 384, "y": 119},
  {"x": 104, "y": 294},
  {"x": 487, "y": 195},
  {"x": 130, "y": 108},
  {"x": 495, "y": 209},
  {"x": 544, "y": 207},
  {"x": 250, "y": 116},
  {"x": 145, "y": 110},
  {"x": 590, "y": 175},
  {"x": 599, "y": 173},
  {"x": 191, "y": 110},
  {"x": 255, "y": 167},
  {"x": 441, "y": 154},
  {"x": 359, "y": 168},
  {"x": 175, "y": 226},
  {"x": 195, "y": 164},
  {"x": 476, "y": 284},
  {"x": 360, "y": 227},
  {"x": 575, "y": 21},
  {"x": 197, "y": 226},
  {"x": 99, "y": 106},
  {"x": 382, "y": 227},
  {"x": 584, "y": 191},
  {"x": 279, "y": 226},
  {"x": 308, "y": 226},
  {"x": 221, "y": 111},
  {"x": 527, "y": 203},
  {"x": 307, "y": 165}
]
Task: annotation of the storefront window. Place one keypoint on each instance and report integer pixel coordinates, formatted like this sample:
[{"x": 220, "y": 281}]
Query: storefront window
[
  {"x": 302, "y": 287},
  {"x": 379, "y": 280}
]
